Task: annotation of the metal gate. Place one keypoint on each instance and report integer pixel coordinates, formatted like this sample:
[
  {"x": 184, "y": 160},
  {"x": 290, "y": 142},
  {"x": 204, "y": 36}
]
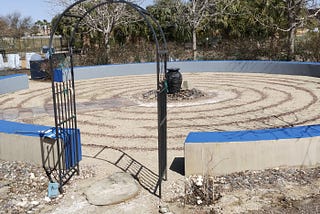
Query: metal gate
[
  {"x": 64, "y": 103},
  {"x": 62, "y": 160}
]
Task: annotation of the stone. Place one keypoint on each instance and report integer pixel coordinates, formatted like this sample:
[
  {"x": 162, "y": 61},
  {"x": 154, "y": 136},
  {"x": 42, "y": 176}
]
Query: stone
[
  {"x": 47, "y": 199},
  {"x": 32, "y": 176},
  {"x": 116, "y": 188},
  {"x": 4, "y": 191},
  {"x": 35, "y": 203},
  {"x": 164, "y": 209},
  {"x": 22, "y": 203}
]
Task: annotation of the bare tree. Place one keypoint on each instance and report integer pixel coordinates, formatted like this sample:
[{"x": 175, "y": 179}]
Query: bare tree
[
  {"x": 196, "y": 12},
  {"x": 14, "y": 25},
  {"x": 3, "y": 27},
  {"x": 103, "y": 19},
  {"x": 295, "y": 14},
  {"x": 299, "y": 13}
]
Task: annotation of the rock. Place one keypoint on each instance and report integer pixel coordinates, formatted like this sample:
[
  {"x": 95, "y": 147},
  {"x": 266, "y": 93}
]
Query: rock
[
  {"x": 47, "y": 199},
  {"x": 187, "y": 94},
  {"x": 22, "y": 204},
  {"x": 35, "y": 203},
  {"x": 4, "y": 191},
  {"x": 164, "y": 209},
  {"x": 199, "y": 201},
  {"x": 114, "y": 189},
  {"x": 199, "y": 181},
  {"x": 32, "y": 176}
]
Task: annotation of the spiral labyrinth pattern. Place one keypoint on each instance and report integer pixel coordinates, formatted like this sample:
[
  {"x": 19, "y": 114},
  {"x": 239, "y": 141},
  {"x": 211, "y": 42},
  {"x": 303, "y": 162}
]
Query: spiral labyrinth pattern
[{"x": 111, "y": 111}]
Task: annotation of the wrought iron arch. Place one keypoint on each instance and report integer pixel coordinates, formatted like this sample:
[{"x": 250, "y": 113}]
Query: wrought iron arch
[{"x": 64, "y": 98}]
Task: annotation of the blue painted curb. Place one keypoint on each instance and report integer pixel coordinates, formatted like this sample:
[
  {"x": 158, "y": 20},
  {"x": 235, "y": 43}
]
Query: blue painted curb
[
  {"x": 254, "y": 135},
  {"x": 10, "y": 127}
]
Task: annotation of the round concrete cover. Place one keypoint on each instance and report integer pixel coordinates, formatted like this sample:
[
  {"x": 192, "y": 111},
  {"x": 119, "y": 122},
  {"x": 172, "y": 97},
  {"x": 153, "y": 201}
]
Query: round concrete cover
[{"x": 114, "y": 189}]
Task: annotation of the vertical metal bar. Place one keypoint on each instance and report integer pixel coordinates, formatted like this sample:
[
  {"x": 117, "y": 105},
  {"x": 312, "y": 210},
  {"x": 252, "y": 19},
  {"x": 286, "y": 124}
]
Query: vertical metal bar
[
  {"x": 165, "y": 114},
  {"x": 65, "y": 127},
  {"x": 75, "y": 111},
  {"x": 57, "y": 107},
  {"x": 58, "y": 119},
  {"x": 53, "y": 89},
  {"x": 67, "y": 108},
  {"x": 61, "y": 130},
  {"x": 164, "y": 133},
  {"x": 70, "y": 127},
  {"x": 66, "y": 134},
  {"x": 163, "y": 120},
  {"x": 159, "y": 141},
  {"x": 71, "y": 121},
  {"x": 57, "y": 116}
]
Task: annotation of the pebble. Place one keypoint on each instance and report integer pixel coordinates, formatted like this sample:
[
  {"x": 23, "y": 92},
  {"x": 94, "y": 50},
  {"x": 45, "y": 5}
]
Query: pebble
[
  {"x": 24, "y": 185},
  {"x": 187, "y": 94},
  {"x": 35, "y": 203},
  {"x": 32, "y": 176},
  {"x": 22, "y": 203},
  {"x": 199, "y": 201},
  {"x": 164, "y": 209},
  {"x": 249, "y": 180},
  {"x": 47, "y": 199}
]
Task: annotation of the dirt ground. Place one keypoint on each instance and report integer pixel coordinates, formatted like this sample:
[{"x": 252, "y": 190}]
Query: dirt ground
[{"x": 119, "y": 133}]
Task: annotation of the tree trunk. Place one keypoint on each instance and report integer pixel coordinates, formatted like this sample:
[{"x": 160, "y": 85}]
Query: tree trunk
[
  {"x": 194, "y": 44},
  {"x": 106, "y": 46},
  {"x": 291, "y": 44},
  {"x": 293, "y": 8}
]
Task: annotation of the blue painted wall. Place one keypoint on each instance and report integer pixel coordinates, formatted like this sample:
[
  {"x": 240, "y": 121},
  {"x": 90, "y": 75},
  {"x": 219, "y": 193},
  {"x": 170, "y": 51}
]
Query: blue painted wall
[{"x": 254, "y": 135}]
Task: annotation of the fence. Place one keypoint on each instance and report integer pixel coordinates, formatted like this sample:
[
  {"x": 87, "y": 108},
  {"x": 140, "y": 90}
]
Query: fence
[{"x": 28, "y": 44}]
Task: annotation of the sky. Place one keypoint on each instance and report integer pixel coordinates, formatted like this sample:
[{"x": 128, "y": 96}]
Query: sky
[{"x": 37, "y": 9}]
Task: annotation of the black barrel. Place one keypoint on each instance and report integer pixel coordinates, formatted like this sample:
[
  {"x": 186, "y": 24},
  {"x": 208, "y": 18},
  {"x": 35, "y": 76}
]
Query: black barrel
[
  {"x": 35, "y": 70},
  {"x": 174, "y": 80}
]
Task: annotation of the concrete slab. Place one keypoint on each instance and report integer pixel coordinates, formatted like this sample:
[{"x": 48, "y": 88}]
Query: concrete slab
[
  {"x": 114, "y": 189},
  {"x": 219, "y": 153},
  {"x": 21, "y": 142},
  {"x": 35, "y": 143},
  {"x": 12, "y": 83}
]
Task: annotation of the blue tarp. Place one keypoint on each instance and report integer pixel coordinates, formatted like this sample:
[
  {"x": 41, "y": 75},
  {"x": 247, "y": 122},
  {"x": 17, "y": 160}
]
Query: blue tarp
[{"x": 70, "y": 137}]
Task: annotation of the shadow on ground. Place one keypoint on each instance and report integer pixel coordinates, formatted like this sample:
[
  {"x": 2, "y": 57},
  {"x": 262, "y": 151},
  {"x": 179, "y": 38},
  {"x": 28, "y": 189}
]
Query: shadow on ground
[
  {"x": 177, "y": 165},
  {"x": 144, "y": 176}
]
